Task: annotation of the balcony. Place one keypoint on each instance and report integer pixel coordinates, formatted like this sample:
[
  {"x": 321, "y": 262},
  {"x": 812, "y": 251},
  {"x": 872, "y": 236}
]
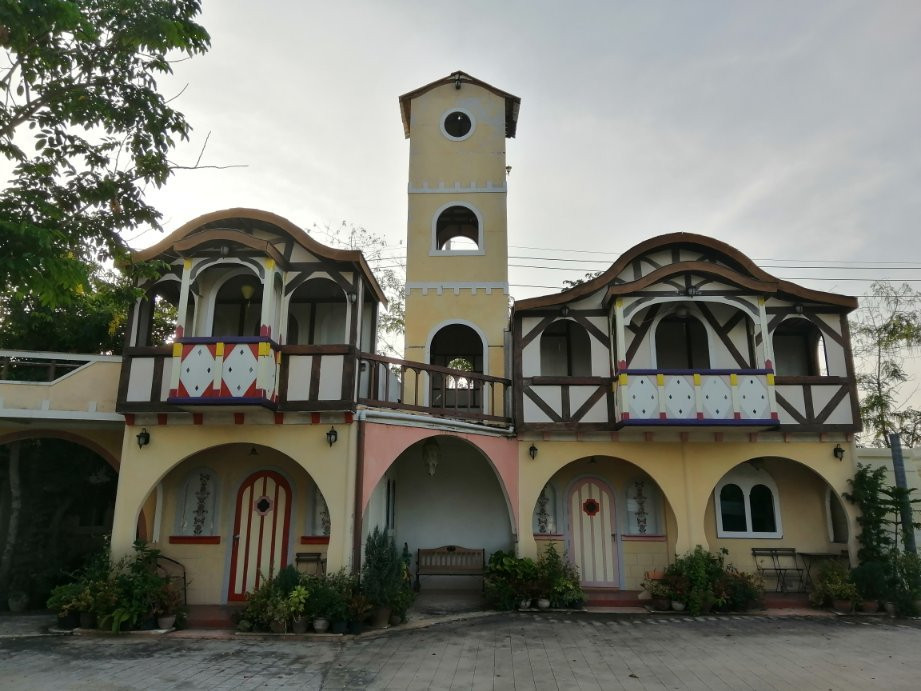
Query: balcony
[{"x": 685, "y": 397}]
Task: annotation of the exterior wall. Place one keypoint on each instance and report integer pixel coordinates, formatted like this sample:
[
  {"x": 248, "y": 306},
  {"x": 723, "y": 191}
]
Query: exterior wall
[
  {"x": 85, "y": 394},
  {"x": 300, "y": 451}
]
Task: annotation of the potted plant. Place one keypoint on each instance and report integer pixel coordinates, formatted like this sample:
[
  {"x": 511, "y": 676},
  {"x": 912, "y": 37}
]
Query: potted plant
[
  {"x": 278, "y": 612},
  {"x": 660, "y": 594},
  {"x": 64, "y": 601},
  {"x": 870, "y": 578},
  {"x": 166, "y": 605},
  {"x": 359, "y": 607},
  {"x": 833, "y": 587},
  {"x": 297, "y": 606},
  {"x": 381, "y": 577}
]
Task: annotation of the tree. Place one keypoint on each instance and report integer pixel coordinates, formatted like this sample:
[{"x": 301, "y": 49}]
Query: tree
[
  {"x": 86, "y": 130},
  {"x": 567, "y": 284},
  {"x": 886, "y": 329},
  {"x": 389, "y": 272}
]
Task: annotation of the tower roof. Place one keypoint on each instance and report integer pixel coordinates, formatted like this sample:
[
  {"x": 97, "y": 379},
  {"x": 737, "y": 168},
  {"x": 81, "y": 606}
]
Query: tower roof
[{"x": 512, "y": 103}]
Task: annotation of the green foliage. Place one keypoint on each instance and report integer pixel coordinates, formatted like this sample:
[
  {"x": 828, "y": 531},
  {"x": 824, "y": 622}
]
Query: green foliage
[
  {"x": 868, "y": 493},
  {"x": 86, "y": 130},
  {"x": 871, "y": 578},
  {"x": 558, "y": 579},
  {"x": 511, "y": 579},
  {"x": 886, "y": 328},
  {"x": 738, "y": 590},
  {"x": 381, "y": 572},
  {"x": 832, "y": 582},
  {"x": 703, "y": 581},
  {"x": 66, "y": 599}
]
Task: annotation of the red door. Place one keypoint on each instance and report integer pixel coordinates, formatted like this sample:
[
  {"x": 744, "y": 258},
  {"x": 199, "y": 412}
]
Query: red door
[{"x": 260, "y": 531}]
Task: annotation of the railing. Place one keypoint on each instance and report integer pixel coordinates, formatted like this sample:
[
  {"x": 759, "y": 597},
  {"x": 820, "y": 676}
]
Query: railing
[
  {"x": 686, "y": 397},
  {"x": 237, "y": 370},
  {"x": 31, "y": 366},
  {"x": 392, "y": 383}
]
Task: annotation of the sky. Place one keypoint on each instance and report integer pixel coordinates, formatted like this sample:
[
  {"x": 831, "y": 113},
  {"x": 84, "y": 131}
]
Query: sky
[{"x": 788, "y": 129}]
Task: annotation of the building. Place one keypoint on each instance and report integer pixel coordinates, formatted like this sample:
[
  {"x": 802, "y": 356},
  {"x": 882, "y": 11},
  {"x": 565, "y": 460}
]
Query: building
[{"x": 682, "y": 397}]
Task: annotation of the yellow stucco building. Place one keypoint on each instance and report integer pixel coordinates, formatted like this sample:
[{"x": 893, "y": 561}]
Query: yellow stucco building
[{"x": 683, "y": 397}]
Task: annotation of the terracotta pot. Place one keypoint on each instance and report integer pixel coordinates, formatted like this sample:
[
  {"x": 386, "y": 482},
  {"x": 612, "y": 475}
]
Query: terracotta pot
[
  {"x": 166, "y": 622},
  {"x": 320, "y": 624}
]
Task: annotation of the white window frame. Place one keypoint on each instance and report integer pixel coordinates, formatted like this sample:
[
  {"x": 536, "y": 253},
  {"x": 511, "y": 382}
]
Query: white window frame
[
  {"x": 746, "y": 477},
  {"x": 444, "y": 116}
]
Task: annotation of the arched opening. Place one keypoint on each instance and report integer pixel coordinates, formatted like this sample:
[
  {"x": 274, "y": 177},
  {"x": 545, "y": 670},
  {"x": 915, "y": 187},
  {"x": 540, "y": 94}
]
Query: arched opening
[
  {"x": 565, "y": 350},
  {"x": 317, "y": 314},
  {"x": 236, "y": 513},
  {"x": 609, "y": 517},
  {"x": 799, "y": 349},
  {"x": 459, "y": 347},
  {"x": 157, "y": 314},
  {"x": 57, "y": 500},
  {"x": 238, "y": 306},
  {"x": 457, "y": 228},
  {"x": 681, "y": 343},
  {"x": 441, "y": 491}
]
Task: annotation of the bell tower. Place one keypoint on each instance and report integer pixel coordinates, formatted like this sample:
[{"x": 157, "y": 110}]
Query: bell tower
[{"x": 457, "y": 243}]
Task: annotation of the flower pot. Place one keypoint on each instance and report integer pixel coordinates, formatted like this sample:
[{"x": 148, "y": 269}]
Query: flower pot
[
  {"x": 320, "y": 624},
  {"x": 87, "y": 620},
  {"x": 869, "y": 606},
  {"x": 381, "y": 618},
  {"x": 890, "y": 608},
  {"x": 278, "y": 626},
  {"x": 339, "y": 626},
  {"x": 18, "y": 601},
  {"x": 356, "y": 627},
  {"x": 678, "y": 605},
  {"x": 543, "y": 603},
  {"x": 68, "y": 621},
  {"x": 396, "y": 619},
  {"x": 660, "y": 604},
  {"x": 166, "y": 622},
  {"x": 299, "y": 625},
  {"x": 843, "y": 606},
  {"x": 525, "y": 603}
]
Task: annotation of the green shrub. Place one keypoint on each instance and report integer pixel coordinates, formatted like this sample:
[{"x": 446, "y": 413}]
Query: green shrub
[
  {"x": 832, "y": 583},
  {"x": 872, "y": 579},
  {"x": 381, "y": 572}
]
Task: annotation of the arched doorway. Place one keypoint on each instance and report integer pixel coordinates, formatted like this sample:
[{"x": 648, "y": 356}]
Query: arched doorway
[
  {"x": 458, "y": 347},
  {"x": 592, "y": 532}
]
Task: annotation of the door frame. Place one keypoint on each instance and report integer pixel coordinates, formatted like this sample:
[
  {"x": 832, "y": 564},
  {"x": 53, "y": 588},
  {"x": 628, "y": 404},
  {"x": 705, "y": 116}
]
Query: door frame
[{"x": 614, "y": 537}]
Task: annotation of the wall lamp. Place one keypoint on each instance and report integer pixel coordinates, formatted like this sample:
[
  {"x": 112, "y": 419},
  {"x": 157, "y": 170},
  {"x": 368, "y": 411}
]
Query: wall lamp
[
  {"x": 143, "y": 438},
  {"x": 838, "y": 452},
  {"x": 332, "y": 436},
  {"x": 532, "y": 452}
]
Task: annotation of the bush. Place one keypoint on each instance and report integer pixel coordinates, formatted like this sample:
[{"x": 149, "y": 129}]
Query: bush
[
  {"x": 832, "y": 583},
  {"x": 872, "y": 580},
  {"x": 511, "y": 579},
  {"x": 381, "y": 572},
  {"x": 738, "y": 590}
]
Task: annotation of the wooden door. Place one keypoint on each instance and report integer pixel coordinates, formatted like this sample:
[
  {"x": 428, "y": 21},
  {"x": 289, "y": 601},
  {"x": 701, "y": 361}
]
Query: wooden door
[
  {"x": 260, "y": 531},
  {"x": 591, "y": 533}
]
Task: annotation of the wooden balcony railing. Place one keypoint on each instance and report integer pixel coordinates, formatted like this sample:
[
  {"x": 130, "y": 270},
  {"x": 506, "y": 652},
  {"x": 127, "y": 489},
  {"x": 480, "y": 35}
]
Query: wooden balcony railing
[{"x": 414, "y": 386}]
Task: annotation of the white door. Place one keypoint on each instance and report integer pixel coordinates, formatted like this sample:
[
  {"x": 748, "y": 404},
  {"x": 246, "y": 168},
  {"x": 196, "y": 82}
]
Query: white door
[{"x": 591, "y": 533}]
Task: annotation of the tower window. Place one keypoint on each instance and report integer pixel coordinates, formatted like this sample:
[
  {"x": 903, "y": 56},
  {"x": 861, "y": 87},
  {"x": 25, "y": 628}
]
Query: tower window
[
  {"x": 457, "y": 124},
  {"x": 457, "y": 229}
]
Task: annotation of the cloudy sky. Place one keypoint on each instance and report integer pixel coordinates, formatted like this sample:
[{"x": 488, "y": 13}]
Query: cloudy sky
[{"x": 788, "y": 129}]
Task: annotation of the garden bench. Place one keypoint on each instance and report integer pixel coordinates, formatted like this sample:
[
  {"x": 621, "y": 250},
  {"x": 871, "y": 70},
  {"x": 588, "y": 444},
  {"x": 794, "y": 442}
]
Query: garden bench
[
  {"x": 780, "y": 564},
  {"x": 449, "y": 560}
]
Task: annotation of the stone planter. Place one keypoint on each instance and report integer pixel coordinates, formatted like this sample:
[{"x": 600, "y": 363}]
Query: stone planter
[
  {"x": 381, "y": 618},
  {"x": 299, "y": 625},
  {"x": 166, "y": 621},
  {"x": 678, "y": 605},
  {"x": 68, "y": 621},
  {"x": 278, "y": 626},
  {"x": 525, "y": 603},
  {"x": 543, "y": 603},
  {"x": 395, "y": 620},
  {"x": 320, "y": 624},
  {"x": 890, "y": 608}
]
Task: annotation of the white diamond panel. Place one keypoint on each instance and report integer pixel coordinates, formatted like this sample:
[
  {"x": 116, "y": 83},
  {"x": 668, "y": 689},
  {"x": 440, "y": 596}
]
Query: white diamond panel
[
  {"x": 716, "y": 396},
  {"x": 197, "y": 371},
  {"x": 642, "y": 397},
  {"x": 753, "y": 397},
  {"x": 679, "y": 397},
  {"x": 239, "y": 371}
]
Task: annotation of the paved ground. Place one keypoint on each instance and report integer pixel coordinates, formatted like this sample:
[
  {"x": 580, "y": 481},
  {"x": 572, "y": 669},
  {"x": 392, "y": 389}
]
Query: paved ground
[{"x": 507, "y": 651}]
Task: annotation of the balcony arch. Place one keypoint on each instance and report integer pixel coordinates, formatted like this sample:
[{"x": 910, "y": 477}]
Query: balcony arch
[
  {"x": 681, "y": 341},
  {"x": 317, "y": 313},
  {"x": 565, "y": 350},
  {"x": 457, "y": 229},
  {"x": 462, "y": 346},
  {"x": 799, "y": 349}
]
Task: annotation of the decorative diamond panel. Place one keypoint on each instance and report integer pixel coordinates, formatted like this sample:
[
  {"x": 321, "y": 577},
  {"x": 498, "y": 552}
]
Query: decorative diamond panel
[
  {"x": 753, "y": 397},
  {"x": 716, "y": 398},
  {"x": 642, "y": 397},
  {"x": 240, "y": 368},
  {"x": 679, "y": 397},
  {"x": 196, "y": 374}
]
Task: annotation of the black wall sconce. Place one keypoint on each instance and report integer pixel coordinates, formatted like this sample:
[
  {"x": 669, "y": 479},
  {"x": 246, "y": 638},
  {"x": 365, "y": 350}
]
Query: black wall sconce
[
  {"x": 838, "y": 452},
  {"x": 332, "y": 436},
  {"x": 532, "y": 452},
  {"x": 143, "y": 438}
]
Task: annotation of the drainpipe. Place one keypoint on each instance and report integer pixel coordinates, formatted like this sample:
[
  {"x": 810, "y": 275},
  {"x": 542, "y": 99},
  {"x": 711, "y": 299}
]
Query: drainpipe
[
  {"x": 359, "y": 490},
  {"x": 898, "y": 468}
]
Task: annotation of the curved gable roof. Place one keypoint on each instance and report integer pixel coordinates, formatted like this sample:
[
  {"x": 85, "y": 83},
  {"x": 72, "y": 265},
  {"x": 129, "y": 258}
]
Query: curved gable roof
[
  {"x": 237, "y": 225},
  {"x": 735, "y": 267}
]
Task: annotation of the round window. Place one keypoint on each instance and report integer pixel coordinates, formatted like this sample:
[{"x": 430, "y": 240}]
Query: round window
[{"x": 457, "y": 124}]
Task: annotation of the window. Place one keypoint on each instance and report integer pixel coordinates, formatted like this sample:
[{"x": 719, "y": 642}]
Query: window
[
  {"x": 457, "y": 124},
  {"x": 565, "y": 350},
  {"x": 681, "y": 343},
  {"x": 544, "y": 519},
  {"x": 457, "y": 229},
  {"x": 799, "y": 349},
  {"x": 836, "y": 517},
  {"x": 747, "y": 504},
  {"x": 199, "y": 502},
  {"x": 644, "y": 507}
]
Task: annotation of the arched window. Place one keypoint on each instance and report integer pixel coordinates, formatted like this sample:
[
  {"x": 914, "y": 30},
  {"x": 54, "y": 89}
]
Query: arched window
[
  {"x": 198, "y": 504},
  {"x": 459, "y": 347},
  {"x": 799, "y": 349},
  {"x": 836, "y": 517},
  {"x": 681, "y": 343},
  {"x": 238, "y": 306},
  {"x": 157, "y": 314},
  {"x": 565, "y": 350},
  {"x": 457, "y": 229},
  {"x": 747, "y": 504}
]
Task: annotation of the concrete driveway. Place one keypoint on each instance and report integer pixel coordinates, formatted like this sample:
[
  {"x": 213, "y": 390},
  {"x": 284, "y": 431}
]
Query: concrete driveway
[{"x": 505, "y": 651}]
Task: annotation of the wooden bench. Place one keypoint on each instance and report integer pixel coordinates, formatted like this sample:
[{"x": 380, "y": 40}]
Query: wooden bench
[
  {"x": 780, "y": 564},
  {"x": 450, "y": 560}
]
